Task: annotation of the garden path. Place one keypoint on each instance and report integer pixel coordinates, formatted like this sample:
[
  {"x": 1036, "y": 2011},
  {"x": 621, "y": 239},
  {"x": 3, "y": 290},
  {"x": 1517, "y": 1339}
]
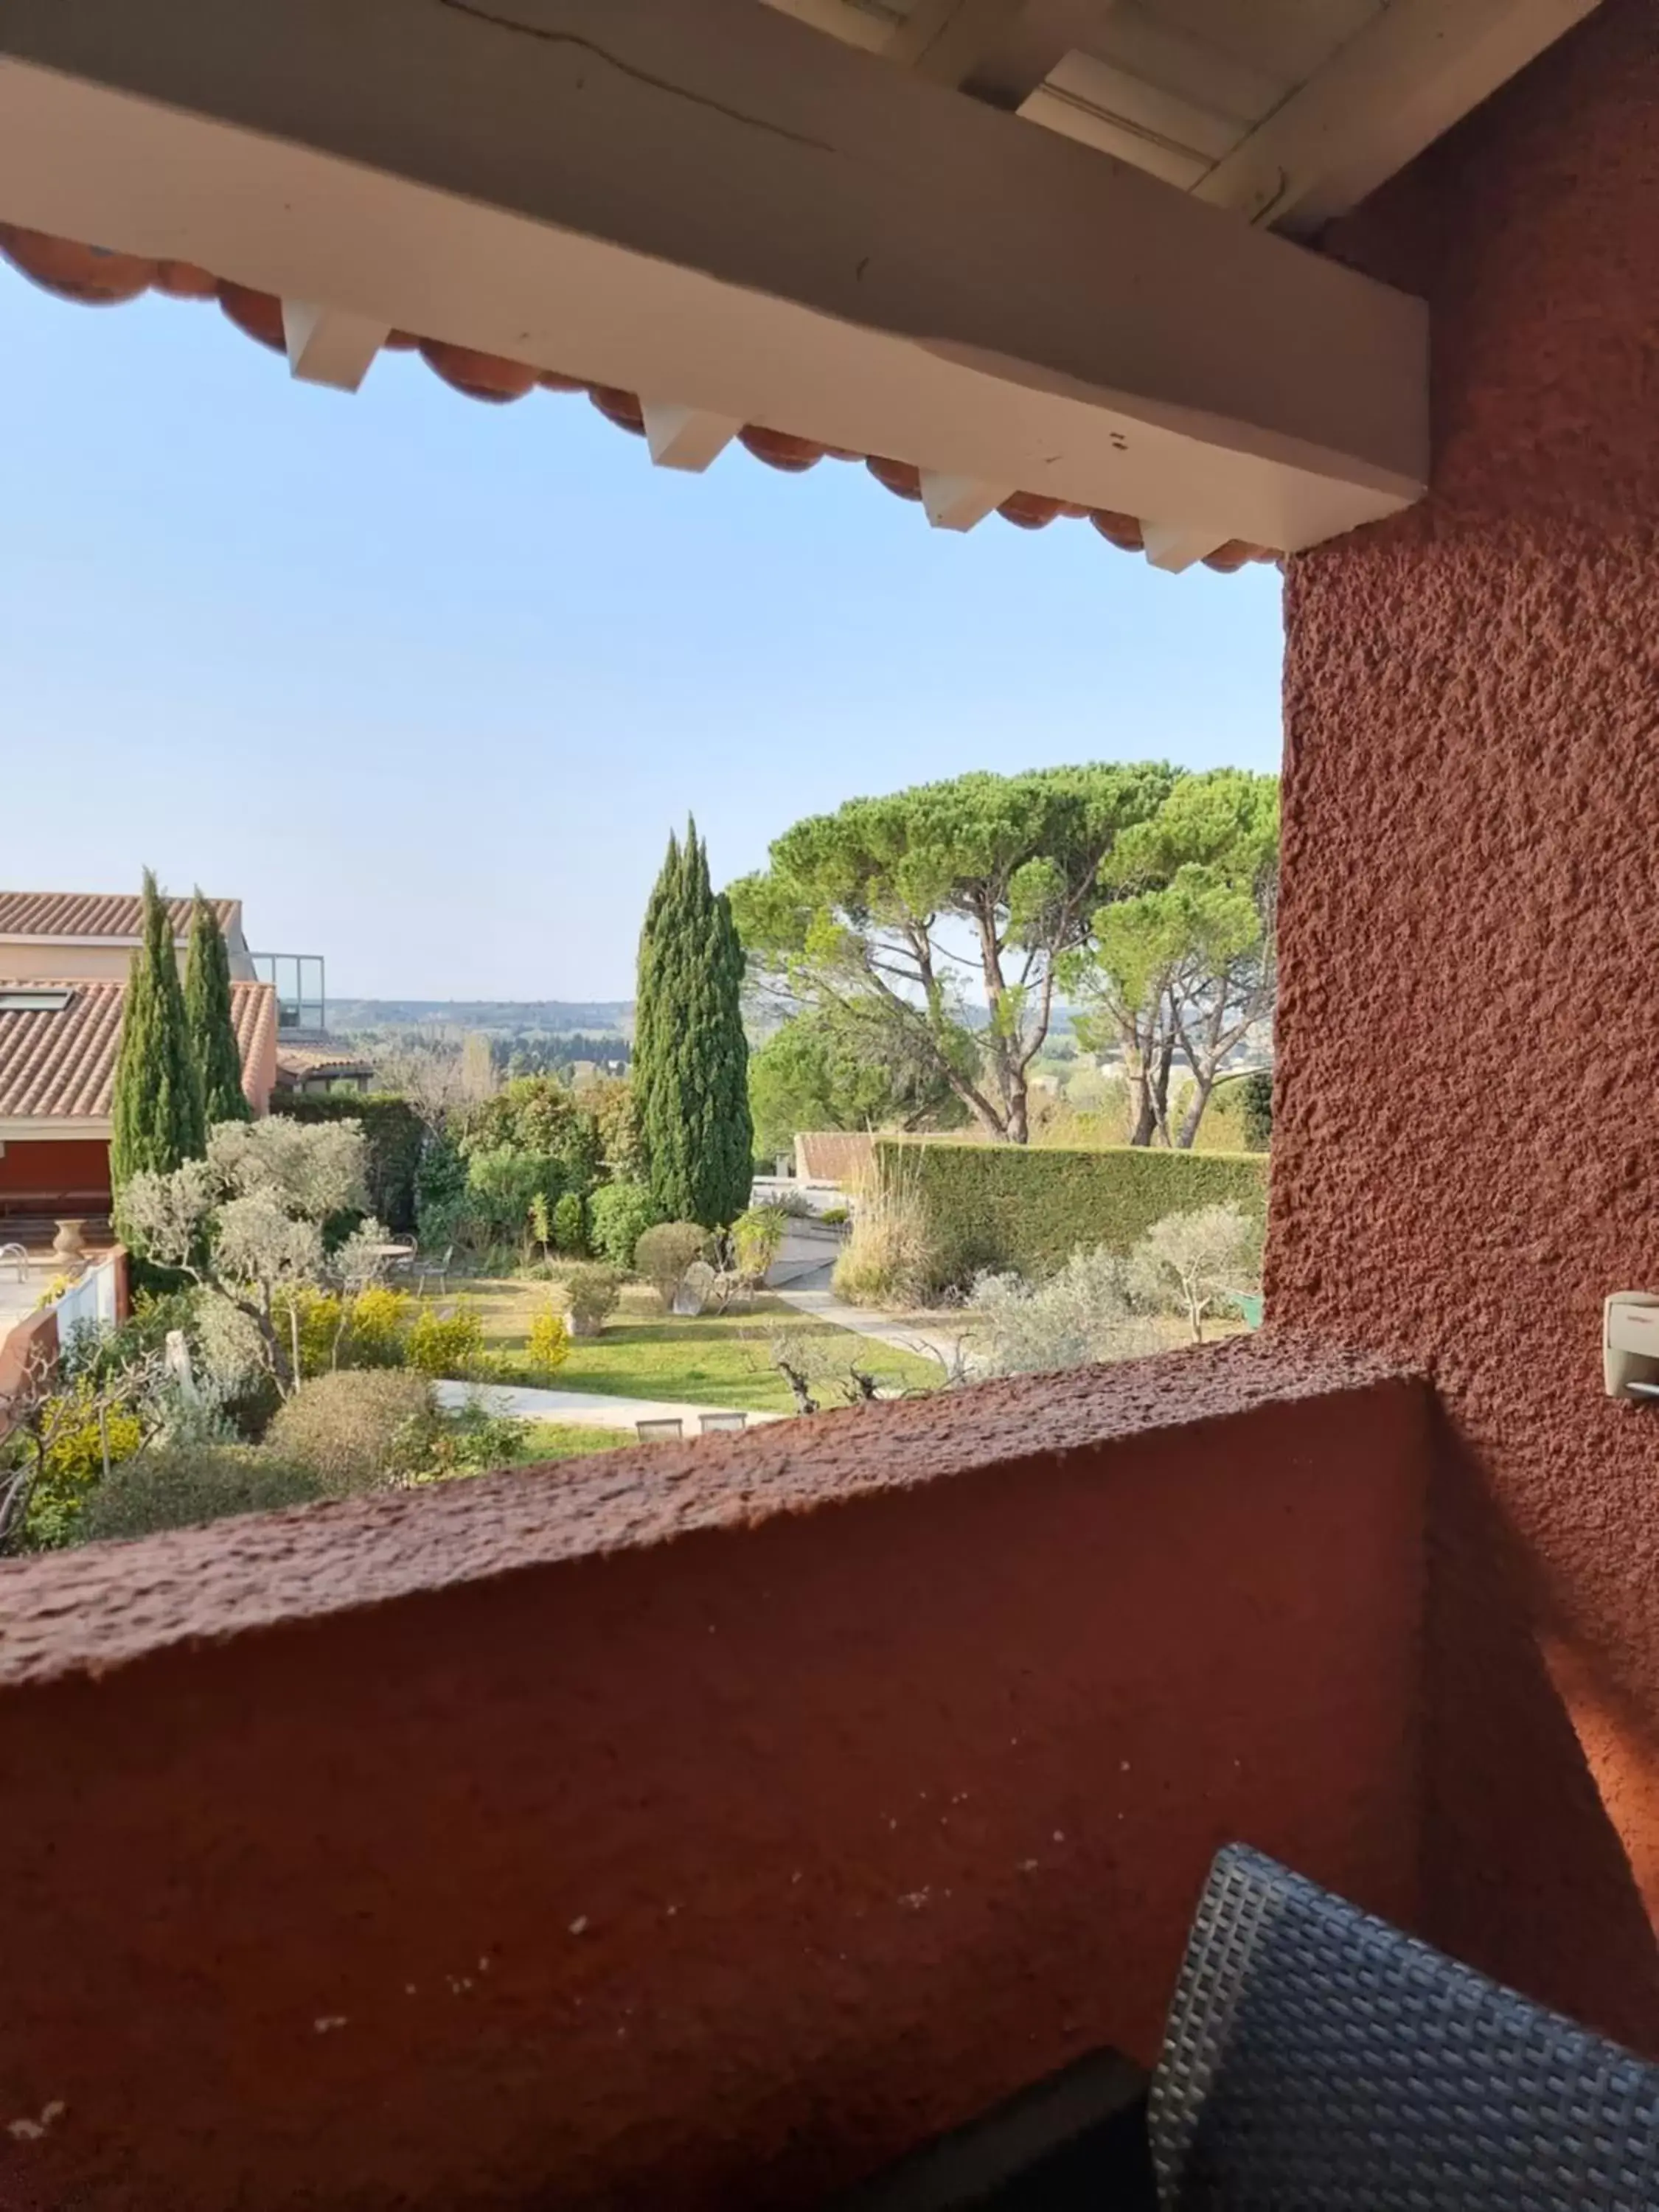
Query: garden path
[
  {"x": 579, "y": 1408},
  {"x": 810, "y": 1293}
]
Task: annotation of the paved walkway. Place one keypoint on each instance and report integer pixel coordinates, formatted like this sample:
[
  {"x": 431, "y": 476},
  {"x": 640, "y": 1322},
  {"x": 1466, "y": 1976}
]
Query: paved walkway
[
  {"x": 585, "y": 1409},
  {"x": 811, "y": 1294}
]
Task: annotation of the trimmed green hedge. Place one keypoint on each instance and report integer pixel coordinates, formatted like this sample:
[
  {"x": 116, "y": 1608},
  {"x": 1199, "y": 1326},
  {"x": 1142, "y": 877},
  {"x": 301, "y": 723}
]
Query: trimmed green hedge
[
  {"x": 394, "y": 1134},
  {"x": 1028, "y": 1208}
]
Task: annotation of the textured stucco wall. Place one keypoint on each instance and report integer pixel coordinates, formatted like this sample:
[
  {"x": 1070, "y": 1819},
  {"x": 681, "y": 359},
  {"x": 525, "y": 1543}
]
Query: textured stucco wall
[
  {"x": 1464, "y": 1144},
  {"x": 695, "y": 1827}
]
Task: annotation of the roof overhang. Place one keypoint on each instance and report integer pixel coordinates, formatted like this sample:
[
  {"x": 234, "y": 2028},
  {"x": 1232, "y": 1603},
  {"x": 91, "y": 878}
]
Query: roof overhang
[
  {"x": 23, "y": 1129},
  {"x": 708, "y": 203}
]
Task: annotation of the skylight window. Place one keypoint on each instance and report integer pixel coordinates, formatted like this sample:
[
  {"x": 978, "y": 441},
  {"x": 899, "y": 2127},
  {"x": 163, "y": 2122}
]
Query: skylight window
[{"x": 34, "y": 1000}]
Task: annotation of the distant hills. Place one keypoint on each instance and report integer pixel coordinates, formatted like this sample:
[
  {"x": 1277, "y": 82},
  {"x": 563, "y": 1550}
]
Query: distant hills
[{"x": 509, "y": 1017}]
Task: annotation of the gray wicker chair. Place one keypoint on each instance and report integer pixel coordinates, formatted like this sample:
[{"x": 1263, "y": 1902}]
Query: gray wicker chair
[{"x": 1317, "y": 2060}]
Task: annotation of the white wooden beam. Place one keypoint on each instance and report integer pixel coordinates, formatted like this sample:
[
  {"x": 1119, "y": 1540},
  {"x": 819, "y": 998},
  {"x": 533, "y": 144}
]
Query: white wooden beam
[
  {"x": 708, "y": 197},
  {"x": 1413, "y": 69},
  {"x": 329, "y": 345},
  {"x": 685, "y": 437},
  {"x": 999, "y": 50},
  {"x": 1176, "y": 546},
  {"x": 959, "y": 503}
]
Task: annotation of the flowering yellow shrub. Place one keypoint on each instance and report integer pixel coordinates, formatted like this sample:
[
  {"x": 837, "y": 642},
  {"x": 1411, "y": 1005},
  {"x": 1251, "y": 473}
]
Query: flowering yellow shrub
[{"x": 548, "y": 1345}]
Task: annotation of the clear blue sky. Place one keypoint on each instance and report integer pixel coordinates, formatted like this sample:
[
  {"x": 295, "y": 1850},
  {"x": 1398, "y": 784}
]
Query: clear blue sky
[{"x": 427, "y": 683}]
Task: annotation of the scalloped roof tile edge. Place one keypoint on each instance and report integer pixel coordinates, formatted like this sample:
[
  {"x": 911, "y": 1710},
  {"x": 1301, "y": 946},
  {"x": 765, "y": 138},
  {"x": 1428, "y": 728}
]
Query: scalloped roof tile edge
[{"x": 95, "y": 276}]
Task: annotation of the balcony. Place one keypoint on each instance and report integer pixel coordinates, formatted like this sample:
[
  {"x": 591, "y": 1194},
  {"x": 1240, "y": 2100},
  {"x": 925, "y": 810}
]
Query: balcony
[
  {"x": 301, "y": 986},
  {"x": 707, "y": 1825}
]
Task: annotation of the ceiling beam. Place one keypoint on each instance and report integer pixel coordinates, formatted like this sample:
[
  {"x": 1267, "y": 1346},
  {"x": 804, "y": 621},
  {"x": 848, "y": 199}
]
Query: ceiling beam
[
  {"x": 1175, "y": 547},
  {"x": 958, "y": 502},
  {"x": 1397, "y": 85},
  {"x": 684, "y": 438},
  {"x": 327, "y": 345},
  {"x": 707, "y": 197},
  {"x": 999, "y": 50}
]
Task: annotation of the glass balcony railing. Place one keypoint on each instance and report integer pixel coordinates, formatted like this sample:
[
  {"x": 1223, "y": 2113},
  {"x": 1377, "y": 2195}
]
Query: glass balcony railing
[{"x": 301, "y": 999}]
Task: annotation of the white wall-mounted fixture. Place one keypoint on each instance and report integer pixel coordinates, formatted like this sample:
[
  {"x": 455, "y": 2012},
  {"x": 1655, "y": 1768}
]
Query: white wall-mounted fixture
[{"x": 1630, "y": 1344}]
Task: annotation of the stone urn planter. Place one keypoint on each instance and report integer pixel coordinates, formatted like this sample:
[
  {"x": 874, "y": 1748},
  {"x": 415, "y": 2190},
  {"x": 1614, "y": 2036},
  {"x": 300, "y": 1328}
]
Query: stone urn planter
[{"x": 70, "y": 1242}]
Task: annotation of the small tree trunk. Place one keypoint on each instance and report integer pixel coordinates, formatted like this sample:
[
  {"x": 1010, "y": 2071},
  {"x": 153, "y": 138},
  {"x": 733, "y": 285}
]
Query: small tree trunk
[
  {"x": 1160, "y": 1090},
  {"x": 1019, "y": 1126},
  {"x": 1143, "y": 1120},
  {"x": 1202, "y": 1086}
]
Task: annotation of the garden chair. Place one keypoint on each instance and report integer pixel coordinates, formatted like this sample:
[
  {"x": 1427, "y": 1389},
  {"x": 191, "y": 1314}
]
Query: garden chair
[
  {"x": 663, "y": 1429},
  {"x": 1315, "y": 2060},
  {"x": 430, "y": 1270},
  {"x": 15, "y": 1256},
  {"x": 1319, "y": 2061},
  {"x": 709, "y": 1424}
]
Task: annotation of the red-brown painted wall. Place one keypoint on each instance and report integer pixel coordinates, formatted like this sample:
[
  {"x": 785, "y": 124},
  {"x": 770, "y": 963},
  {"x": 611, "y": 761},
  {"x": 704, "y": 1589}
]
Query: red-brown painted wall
[
  {"x": 33, "y": 1173},
  {"x": 28, "y": 1354},
  {"x": 699, "y": 1828},
  {"x": 1464, "y": 1144}
]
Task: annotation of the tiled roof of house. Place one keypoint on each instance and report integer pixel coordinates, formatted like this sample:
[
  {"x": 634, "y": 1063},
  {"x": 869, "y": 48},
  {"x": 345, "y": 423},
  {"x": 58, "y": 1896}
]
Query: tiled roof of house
[
  {"x": 59, "y": 1063},
  {"x": 95, "y": 913},
  {"x": 99, "y": 277},
  {"x": 295, "y": 1061},
  {"x": 838, "y": 1156}
]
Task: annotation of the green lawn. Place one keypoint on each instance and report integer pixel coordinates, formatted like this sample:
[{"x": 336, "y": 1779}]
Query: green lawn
[
  {"x": 722, "y": 1360},
  {"x": 544, "y": 1440}
]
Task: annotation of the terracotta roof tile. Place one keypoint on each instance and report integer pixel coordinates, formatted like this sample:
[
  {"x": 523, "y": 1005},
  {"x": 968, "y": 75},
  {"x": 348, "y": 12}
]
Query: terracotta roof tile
[
  {"x": 95, "y": 913},
  {"x": 296, "y": 1060},
  {"x": 99, "y": 277},
  {"x": 838, "y": 1156},
  {"x": 61, "y": 1063}
]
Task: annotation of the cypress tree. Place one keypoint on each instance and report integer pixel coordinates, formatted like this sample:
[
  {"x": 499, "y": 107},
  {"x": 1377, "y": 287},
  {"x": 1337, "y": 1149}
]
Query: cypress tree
[
  {"x": 212, "y": 1028},
  {"x": 155, "y": 1113},
  {"x": 690, "y": 1058}
]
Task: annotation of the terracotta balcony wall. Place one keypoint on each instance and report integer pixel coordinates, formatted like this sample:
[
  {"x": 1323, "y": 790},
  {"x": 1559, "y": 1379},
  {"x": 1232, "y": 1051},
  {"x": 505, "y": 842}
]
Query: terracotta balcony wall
[{"x": 701, "y": 1827}]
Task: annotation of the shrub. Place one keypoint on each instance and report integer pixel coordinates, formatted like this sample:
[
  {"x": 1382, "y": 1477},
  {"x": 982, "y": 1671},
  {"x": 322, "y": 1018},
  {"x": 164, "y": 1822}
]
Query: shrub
[
  {"x": 1000, "y": 1207},
  {"x": 502, "y": 1185},
  {"x": 73, "y": 1467},
  {"x": 569, "y": 1225},
  {"x": 756, "y": 1239},
  {"x": 548, "y": 1343},
  {"x": 378, "y": 1329},
  {"x": 441, "y": 1194},
  {"x": 1256, "y": 1108},
  {"x": 619, "y": 1213},
  {"x": 444, "y": 1340},
  {"x": 181, "y": 1486},
  {"x": 98, "y": 1352},
  {"x": 590, "y": 1292},
  {"x": 537, "y": 1116},
  {"x": 886, "y": 1260},
  {"x": 834, "y": 1217},
  {"x": 1082, "y": 1314},
  {"x": 313, "y": 1319},
  {"x": 395, "y": 1139},
  {"x": 1194, "y": 1264},
  {"x": 473, "y": 1442},
  {"x": 663, "y": 1255},
  {"x": 357, "y": 1431}
]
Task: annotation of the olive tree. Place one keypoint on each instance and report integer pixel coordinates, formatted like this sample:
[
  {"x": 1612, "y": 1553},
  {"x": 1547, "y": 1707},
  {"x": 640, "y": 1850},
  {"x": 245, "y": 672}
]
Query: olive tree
[{"x": 246, "y": 1221}]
